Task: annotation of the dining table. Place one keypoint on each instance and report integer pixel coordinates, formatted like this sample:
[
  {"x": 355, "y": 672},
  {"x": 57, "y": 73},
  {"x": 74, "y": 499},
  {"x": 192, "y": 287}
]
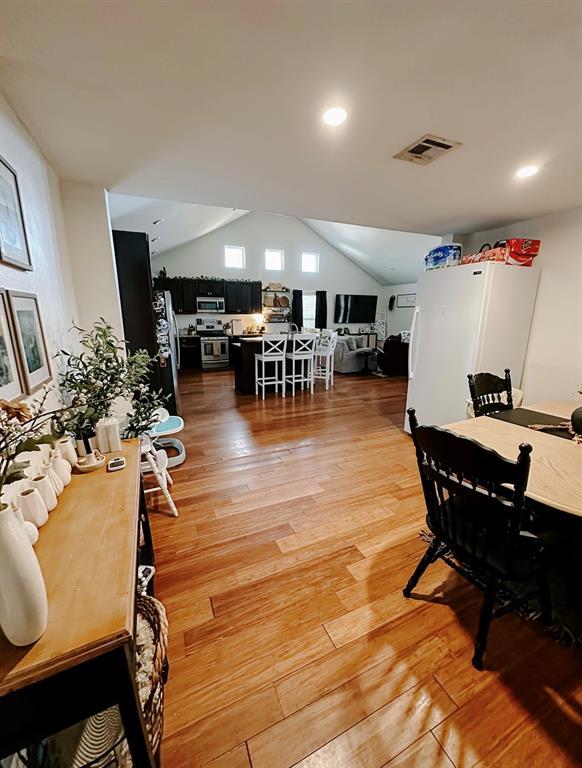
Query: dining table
[{"x": 555, "y": 478}]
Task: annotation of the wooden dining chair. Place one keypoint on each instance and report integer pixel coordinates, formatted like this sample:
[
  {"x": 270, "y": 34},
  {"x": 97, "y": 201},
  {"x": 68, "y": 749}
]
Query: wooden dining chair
[
  {"x": 487, "y": 391},
  {"x": 475, "y": 510}
]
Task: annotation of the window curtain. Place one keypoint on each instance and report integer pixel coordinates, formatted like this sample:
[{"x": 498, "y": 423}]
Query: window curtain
[
  {"x": 297, "y": 309},
  {"x": 321, "y": 309}
]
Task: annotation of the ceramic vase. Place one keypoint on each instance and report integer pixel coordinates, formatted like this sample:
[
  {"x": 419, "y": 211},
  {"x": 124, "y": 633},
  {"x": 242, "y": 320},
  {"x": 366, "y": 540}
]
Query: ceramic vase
[
  {"x": 54, "y": 479},
  {"x": 81, "y": 445},
  {"x": 61, "y": 467},
  {"x": 29, "y": 528},
  {"x": 23, "y": 600},
  {"x": 67, "y": 450},
  {"x": 32, "y": 506},
  {"x": 46, "y": 490}
]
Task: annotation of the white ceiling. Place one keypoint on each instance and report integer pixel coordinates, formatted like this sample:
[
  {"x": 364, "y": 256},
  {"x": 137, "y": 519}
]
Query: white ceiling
[
  {"x": 219, "y": 103},
  {"x": 181, "y": 223},
  {"x": 391, "y": 257}
]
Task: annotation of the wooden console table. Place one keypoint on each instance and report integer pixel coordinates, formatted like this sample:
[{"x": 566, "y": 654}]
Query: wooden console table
[{"x": 85, "y": 661}]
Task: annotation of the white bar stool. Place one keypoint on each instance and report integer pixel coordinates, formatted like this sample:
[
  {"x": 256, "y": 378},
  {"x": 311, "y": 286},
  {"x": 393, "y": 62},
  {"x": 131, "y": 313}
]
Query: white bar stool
[
  {"x": 324, "y": 352},
  {"x": 273, "y": 352},
  {"x": 302, "y": 351}
]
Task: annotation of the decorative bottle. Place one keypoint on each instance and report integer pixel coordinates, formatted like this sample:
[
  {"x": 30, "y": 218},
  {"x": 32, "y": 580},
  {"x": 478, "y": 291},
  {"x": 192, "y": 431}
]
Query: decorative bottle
[{"x": 23, "y": 599}]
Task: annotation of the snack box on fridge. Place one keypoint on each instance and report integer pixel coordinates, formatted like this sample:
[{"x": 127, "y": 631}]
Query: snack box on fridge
[
  {"x": 503, "y": 254},
  {"x": 523, "y": 246}
]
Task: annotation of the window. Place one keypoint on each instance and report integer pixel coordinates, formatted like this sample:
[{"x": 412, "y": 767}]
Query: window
[
  {"x": 234, "y": 257},
  {"x": 309, "y": 309},
  {"x": 309, "y": 262},
  {"x": 274, "y": 259}
]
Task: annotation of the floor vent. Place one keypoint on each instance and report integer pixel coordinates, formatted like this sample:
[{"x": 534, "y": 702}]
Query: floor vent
[{"x": 425, "y": 150}]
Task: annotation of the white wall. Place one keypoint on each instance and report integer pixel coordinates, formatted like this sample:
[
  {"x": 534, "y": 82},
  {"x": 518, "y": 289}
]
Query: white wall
[
  {"x": 43, "y": 216},
  {"x": 400, "y": 318},
  {"x": 92, "y": 256},
  {"x": 257, "y": 231},
  {"x": 553, "y": 364}
]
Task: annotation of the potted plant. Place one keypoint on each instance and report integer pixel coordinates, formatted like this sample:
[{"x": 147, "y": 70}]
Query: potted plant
[
  {"x": 95, "y": 378},
  {"x": 144, "y": 404}
]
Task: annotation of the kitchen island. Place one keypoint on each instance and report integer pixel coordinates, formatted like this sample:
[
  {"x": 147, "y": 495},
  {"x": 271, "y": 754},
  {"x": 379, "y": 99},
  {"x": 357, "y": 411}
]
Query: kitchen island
[{"x": 242, "y": 356}]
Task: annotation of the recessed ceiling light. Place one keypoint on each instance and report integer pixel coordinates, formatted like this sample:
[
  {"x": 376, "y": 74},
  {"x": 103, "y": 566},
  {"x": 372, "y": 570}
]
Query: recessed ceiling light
[
  {"x": 526, "y": 171},
  {"x": 334, "y": 116},
  {"x": 157, "y": 221}
]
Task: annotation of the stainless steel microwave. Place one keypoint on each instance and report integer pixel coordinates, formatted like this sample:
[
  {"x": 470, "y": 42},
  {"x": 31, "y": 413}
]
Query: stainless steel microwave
[{"x": 209, "y": 304}]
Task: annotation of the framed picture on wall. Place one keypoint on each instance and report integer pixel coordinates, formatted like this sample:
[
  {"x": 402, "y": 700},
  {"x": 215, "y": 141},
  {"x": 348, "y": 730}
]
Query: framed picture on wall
[
  {"x": 30, "y": 339},
  {"x": 14, "y": 248},
  {"x": 11, "y": 378},
  {"x": 406, "y": 300}
]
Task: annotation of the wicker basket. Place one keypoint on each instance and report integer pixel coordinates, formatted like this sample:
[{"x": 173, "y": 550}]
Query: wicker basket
[{"x": 99, "y": 740}]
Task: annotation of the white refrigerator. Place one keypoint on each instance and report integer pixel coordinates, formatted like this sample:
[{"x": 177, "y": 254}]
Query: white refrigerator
[{"x": 469, "y": 318}]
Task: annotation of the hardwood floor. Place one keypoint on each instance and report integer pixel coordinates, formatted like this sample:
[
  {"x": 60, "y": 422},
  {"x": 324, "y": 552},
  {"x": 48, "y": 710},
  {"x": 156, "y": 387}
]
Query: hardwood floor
[{"x": 291, "y": 643}]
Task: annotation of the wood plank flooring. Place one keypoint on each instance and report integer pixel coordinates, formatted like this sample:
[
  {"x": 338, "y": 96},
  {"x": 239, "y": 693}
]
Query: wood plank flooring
[{"x": 290, "y": 641}]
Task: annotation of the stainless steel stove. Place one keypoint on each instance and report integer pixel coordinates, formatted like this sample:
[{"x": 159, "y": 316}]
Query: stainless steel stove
[{"x": 213, "y": 344}]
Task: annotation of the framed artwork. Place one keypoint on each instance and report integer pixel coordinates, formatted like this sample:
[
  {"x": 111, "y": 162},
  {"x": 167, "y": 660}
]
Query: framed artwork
[
  {"x": 407, "y": 300},
  {"x": 11, "y": 379},
  {"x": 30, "y": 339},
  {"x": 14, "y": 248}
]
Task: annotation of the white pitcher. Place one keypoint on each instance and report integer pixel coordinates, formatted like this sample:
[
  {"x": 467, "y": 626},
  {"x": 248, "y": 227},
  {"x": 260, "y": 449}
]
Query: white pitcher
[
  {"x": 67, "y": 450},
  {"x": 23, "y": 599}
]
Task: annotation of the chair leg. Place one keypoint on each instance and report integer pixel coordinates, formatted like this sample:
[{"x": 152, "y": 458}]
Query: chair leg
[
  {"x": 311, "y": 374},
  {"x": 544, "y": 595},
  {"x": 263, "y": 367},
  {"x": 283, "y": 366},
  {"x": 484, "y": 623},
  {"x": 256, "y": 376},
  {"x": 425, "y": 561}
]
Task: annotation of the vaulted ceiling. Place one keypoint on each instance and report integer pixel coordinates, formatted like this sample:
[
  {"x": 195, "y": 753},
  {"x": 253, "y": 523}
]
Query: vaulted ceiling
[
  {"x": 220, "y": 103},
  {"x": 168, "y": 224}
]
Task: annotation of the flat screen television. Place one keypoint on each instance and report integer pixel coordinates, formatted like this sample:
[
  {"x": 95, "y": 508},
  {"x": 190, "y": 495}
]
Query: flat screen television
[{"x": 350, "y": 308}]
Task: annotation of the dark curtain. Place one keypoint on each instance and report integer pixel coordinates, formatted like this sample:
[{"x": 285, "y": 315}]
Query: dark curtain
[
  {"x": 320, "y": 309},
  {"x": 297, "y": 309}
]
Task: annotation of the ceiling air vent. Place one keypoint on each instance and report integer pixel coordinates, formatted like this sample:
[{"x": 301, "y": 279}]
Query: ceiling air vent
[{"x": 427, "y": 149}]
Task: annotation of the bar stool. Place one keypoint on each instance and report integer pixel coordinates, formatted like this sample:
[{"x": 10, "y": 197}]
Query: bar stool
[
  {"x": 303, "y": 352},
  {"x": 273, "y": 352},
  {"x": 324, "y": 352}
]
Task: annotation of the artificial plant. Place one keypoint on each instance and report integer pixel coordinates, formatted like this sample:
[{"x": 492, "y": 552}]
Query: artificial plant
[
  {"x": 98, "y": 375},
  {"x": 144, "y": 404}
]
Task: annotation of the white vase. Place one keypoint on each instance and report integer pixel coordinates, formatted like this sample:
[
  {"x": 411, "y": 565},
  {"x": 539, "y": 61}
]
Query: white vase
[
  {"x": 32, "y": 506},
  {"x": 29, "y": 528},
  {"x": 80, "y": 445},
  {"x": 67, "y": 450},
  {"x": 61, "y": 467},
  {"x": 46, "y": 490},
  {"x": 23, "y": 600},
  {"x": 54, "y": 479}
]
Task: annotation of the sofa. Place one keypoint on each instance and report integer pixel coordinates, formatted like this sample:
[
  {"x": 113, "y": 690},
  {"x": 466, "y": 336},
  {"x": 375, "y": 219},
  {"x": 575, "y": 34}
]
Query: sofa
[{"x": 346, "y": 358}]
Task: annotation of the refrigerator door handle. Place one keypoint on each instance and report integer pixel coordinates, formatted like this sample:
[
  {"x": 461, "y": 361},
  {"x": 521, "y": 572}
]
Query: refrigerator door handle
[
  {"x": 411, "y": 355},
  {"x": 177, "y": 336}
]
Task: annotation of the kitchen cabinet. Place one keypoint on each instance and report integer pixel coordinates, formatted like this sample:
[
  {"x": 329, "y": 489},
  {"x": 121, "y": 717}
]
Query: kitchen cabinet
[
  {"x": 174, "y": 285},
  {"x": 238, "y": 296},
  {"x": 256, "y": 297},
  {"x": 207, "y": 288},
  {"x": 188, "y": 296}
]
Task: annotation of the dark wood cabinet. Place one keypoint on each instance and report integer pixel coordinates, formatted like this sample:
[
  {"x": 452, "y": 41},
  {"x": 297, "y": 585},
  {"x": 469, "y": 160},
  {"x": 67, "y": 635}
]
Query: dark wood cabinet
[
  {"x": 209, "y": 287},
  {"x": 230, "y": 297},
  {"x": 256, "y": 297},
  {"x": 242, "y": 298},
  {"x": 174, "y": 285},
  {"x": 189, "y": 296}
]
